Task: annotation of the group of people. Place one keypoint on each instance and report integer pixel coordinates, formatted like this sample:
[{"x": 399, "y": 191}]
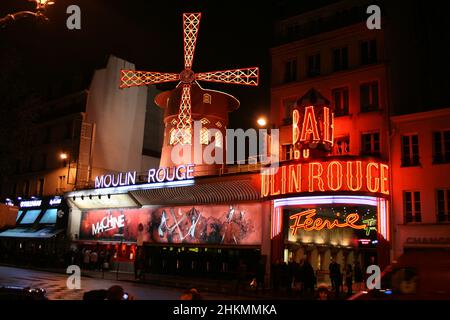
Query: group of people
[
  {"x": 349, "y": 276},
  {"x": 294, "y": 276},
  {"x": 89, "y": 259}
]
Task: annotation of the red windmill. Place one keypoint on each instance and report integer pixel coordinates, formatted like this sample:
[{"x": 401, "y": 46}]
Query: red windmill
[{"x": 191, "y": 25}]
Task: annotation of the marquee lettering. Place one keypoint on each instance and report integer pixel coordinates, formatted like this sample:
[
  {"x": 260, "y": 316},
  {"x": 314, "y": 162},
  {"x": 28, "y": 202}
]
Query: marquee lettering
[
  {"x": 327, "y": 176},
  {"x": 309, "y": 223}
]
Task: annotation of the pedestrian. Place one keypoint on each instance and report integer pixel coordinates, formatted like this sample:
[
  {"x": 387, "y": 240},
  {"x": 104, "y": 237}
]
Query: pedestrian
[
  {"x": 86, "y": 258},
  {"x": 349, "y": 279},
  {"x": 309, "y": 278},
  {"x": 260, "y": 274},
  {"x": 241, "y": 275},
  {"x": 335, "y": 276},
  {"x": 359, "y": 277},
  {"x": 93, "y": 260},
  {"x": 323, "y": 291}
]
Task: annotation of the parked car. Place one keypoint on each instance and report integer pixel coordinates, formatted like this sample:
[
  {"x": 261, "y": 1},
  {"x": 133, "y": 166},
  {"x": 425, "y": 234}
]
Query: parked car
[
  {"x": 22, "y": 293},
  {"x": 421, "y": 274}
]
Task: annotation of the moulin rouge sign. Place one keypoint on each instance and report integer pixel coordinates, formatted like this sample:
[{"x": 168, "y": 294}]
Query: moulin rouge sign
[
  {"x": 326, "y": 176},
  {"x": 178, "y": 173}
]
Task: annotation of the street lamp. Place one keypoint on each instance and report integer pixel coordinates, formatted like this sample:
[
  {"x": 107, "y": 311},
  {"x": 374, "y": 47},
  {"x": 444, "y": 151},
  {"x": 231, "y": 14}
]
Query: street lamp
[
  {"x": 63, "y": 156},
  {"x": 262, "y": 122},
  {"x": 41, "y": 6}
]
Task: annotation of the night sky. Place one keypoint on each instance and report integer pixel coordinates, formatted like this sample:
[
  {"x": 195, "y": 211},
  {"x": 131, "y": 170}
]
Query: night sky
[{"x": 148, "y": 33}]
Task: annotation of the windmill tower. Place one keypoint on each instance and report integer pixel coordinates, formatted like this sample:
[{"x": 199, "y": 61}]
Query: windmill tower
[{"x": 189, "y": 102}]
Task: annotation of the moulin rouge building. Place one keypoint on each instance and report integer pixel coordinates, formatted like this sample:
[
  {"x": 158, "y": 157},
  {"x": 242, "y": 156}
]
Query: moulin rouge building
[{"x": 198, "y": 219}]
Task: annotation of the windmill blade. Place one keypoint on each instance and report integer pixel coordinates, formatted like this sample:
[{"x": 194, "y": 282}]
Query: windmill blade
[
  {"x": 133, "y": 78},
  {"x": 183, "y": 135},
  {"x": 245, "y": 76},
  {"x": 191, "y": 25}
]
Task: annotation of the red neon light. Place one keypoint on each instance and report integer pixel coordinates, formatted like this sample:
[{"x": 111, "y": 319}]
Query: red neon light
[
  {"x": 334, "y": 170},
  {"x": 333, "y": 176},
  {"x": 191, "y": 26},
  {"x": 310, "y": 224},
  {"x": 370, "y": 178},
  {"x": 358, "y": 176},
  {"x": 309, "y": 126},
  {"x": 315, "y": 175},
  {"x": 295, "y": 128}
]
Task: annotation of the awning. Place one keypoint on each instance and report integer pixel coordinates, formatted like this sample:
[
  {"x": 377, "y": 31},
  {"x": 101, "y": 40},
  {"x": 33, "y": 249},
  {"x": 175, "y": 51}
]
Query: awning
[
  {"x": 204, "y": 193},
  {"x": 28, "y": 233}
]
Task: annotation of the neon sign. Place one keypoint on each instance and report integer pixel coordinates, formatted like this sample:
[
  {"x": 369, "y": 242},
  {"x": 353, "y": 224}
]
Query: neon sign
[
  {"x": 181, "y": 172},
  {"x": 30, "y": 203},
  {"x": 316, "y": 224},
  {"x": 108, "y": 223},
  {"x": 326, "y": 176}
]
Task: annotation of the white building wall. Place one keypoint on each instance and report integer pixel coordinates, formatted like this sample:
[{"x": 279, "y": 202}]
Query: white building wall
[{"x": 119, "y": 117}]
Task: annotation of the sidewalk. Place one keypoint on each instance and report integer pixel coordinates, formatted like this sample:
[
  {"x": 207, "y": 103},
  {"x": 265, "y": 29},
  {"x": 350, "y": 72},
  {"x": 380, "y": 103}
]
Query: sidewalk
[{"x": 202, "y": 284}]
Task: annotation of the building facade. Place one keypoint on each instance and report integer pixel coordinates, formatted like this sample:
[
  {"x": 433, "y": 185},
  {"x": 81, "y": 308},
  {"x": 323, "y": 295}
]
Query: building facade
[
  {"x": 421, "y": 157},
  {"x": 332, "y": 51}
]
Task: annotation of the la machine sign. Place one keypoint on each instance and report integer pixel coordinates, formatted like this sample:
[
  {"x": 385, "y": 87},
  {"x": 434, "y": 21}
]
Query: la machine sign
[{"x": 178, "y": 173}]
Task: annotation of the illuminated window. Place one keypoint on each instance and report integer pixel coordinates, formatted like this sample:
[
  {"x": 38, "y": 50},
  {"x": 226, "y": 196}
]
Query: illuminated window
[
  {"x": 369, "y": 96},
  {"x": 443, "y": 205},
  {"x": 207, "y": 98},
  {"x": 340, "y": 59},
  {"x": 412, "y": 206},
  {"x": 286, "y": 151},
  {"x": 368, "y": 52},
  {"x": 410, "y": 150},
  {"x": 173, "y": 136},
  {"x": 204, "y": 136},
  {"x": 290, "y": 71},
  {"x": 204, "y": 121},
  {"x": 370, "y": 143},
  {"x": 441, "y": 147},
  {"x": 314, "y": 65},
  {"x": 218, "y": 139},
  {"x": 340, "y": 101},
  {"x": 342, "y": 146},
  {"x": 219, "y": 124}
]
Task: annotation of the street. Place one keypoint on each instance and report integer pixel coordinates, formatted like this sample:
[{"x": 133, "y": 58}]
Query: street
[{"x": 55, "y": 285}]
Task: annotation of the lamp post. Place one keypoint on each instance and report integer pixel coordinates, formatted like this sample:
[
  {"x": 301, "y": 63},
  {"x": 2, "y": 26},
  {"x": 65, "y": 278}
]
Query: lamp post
[{"x": 41, "y": 6}]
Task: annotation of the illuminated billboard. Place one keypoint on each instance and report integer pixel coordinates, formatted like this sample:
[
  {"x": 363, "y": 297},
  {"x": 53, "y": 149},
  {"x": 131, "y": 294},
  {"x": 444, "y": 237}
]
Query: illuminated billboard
[{"x": 219, "y": 224}]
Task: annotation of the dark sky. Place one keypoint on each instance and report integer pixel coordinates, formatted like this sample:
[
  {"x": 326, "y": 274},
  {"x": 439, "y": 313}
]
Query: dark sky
[{"x": 148, "y": 33}]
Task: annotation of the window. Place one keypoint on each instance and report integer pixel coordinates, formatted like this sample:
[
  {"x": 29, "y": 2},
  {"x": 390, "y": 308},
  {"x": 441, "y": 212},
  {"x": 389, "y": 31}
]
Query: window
[
  {"x": 207, "y": 98},
  {"x": 340, "y": 101},
  {"x": 410, "y": 150},
  {"x": 314, "y": 65},
  {"x": 443, "y": 205},
  {"x": 49, "y": 216},
  {"x": 341, "y": 146},
  {"x": 340, "y": 59},
  {"x": 412, "y": 207},
  {"x": 441, "y": 145},
  {"x": 288, "y": 106},
  {"x": 290, "y": 71},
  {"x": 218, "y": 139},
  {"x": 287, "y": 153},
  {"x": 30, "y": 216},
  {"x": 204, "y": 136},
  {"x": 173, "y": 136},
  {"x": 369, "y": 96},
  {"x": 368, "y": 52},
  {"x": 370, "y": 143}
]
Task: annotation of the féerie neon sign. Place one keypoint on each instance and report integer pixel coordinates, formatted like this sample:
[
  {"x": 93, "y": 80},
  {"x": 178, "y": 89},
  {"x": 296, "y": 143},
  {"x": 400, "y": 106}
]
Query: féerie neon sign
[
  {"x": 178, "y": 173},
  {"x": 310, "y": 224}
]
